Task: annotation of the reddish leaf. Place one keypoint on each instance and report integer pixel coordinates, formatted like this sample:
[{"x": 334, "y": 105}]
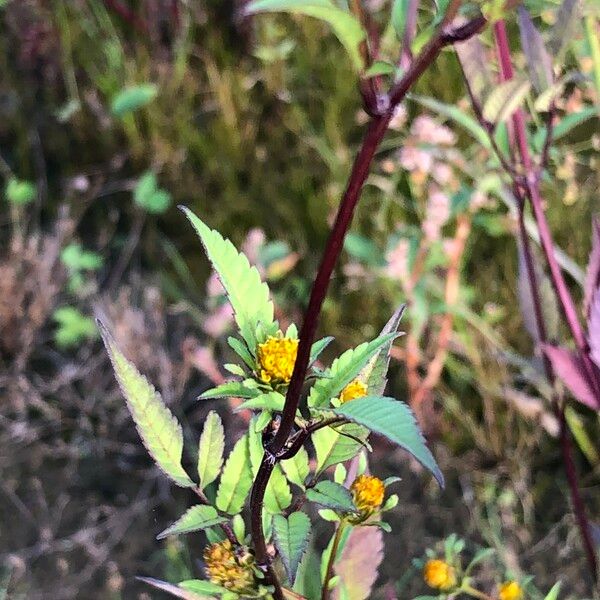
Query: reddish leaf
[
  {"x": 566, "y": 366},
  {"x": 594, "y": 329},
  {"x": 359, "y": 563},
  {"x": 592, "y": 276}
]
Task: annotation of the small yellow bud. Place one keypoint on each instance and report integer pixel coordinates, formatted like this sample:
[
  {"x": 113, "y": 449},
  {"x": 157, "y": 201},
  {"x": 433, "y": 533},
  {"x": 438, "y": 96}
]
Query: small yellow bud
[
  {"x": 224, "y": 568},
  {"x": 276, "y": 359},
  {"x": 367, "y": 492},
  {"x": 510, "y": 590},
  {"x": 439, "y": 574},
  {"x": 355, "y": 389}
]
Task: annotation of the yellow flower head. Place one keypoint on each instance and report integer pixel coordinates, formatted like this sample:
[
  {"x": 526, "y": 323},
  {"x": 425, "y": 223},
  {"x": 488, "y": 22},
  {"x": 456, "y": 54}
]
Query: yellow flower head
[
  {"x": 510, "y": 590},
  {"x": 355, "y": 389},
  {"x": 276, "y": 358},
  {"x": 367, "y": 492},
  {"x": 224, "y": 568},
  {"x": 439, "y": 574}
]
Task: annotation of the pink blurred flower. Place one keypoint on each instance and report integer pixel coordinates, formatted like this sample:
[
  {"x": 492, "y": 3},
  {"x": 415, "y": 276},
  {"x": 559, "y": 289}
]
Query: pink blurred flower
[
  {"x": 397, "y": 260},
  {"x": 429, "y": 131}
]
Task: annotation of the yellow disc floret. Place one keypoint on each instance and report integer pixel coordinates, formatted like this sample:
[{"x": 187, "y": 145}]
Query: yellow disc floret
[
  {"x": 439, "y": 575},
  {"x": 276, "y": 358},
  {"x": 225, "y": 569},
  {"x": 510, "y": 590},
  {"x": 355, "y": 389},
  {"x": 367, "y": 492}
]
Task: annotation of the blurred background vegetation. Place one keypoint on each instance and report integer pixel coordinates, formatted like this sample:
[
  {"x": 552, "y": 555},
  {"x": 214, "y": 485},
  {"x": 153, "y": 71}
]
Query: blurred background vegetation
[{"x": 114, "y": 112}]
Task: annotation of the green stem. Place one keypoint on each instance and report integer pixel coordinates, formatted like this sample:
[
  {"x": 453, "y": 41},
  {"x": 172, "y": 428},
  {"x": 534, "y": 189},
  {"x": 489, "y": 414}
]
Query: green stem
[{"x": 334, "y": 550}]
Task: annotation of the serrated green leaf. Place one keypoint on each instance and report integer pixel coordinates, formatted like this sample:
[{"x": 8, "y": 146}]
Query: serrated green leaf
[
  {"x": 132, "y": 98},
  {"x": 235, "y": 389},
  {"x": 297, "y": 468},
  {"x": 344, "y": 369},
  {"x": 331, "y": 495},
  {"x": 160, "y": 431},
  {"x": 375, "y": 373},
  {"x": 291, "y": 537},
  {"x": 242, "y": 351},
  {"x": 174, "y": 590},
  {"x": 210, "y": 449},
  {"x": 271, "y": 401},
  {"x": 394, "y": 420},
  {"x": 345, "y": 26},
  {"x": 236, "y": 479},
  {"x": 195, "y": 518},
  {"x": 332, "y": 447},
  {"x": 504, "y": 99},
  {"x": 248, "y": 295},
  {"x": 277, "y": 495},
  {"x": 306, "y": 583}
]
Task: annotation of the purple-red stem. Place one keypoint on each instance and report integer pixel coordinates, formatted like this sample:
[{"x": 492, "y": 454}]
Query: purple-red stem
[
  {"x": 360, "y": 170},
  {"x": 532, "y": 191}
]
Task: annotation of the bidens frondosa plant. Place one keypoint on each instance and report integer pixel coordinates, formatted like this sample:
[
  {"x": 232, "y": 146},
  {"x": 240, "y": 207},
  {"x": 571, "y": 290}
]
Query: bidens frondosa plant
[{"x": 344, "y": 404}]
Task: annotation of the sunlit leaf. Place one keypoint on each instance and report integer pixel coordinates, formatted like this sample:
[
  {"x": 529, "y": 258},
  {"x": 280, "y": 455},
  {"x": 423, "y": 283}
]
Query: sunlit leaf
[
  {"x": 331, "y": 495},
  {"x": 332, "y": 447},
  {"x": 172, "y": 589},
  {"x": 230, "y": 389},
  {"x": 159, "y": 429},
  {"x": 297, "y": 468},
  {"x": 236, "y": 479},
  {"x": 132, "y": 98},
  {"x": 504, "y": 99},
  {"x": 271, "y": 401},
  {"x": 210, "y": 449},
  {"x": 248, "y": 295}
]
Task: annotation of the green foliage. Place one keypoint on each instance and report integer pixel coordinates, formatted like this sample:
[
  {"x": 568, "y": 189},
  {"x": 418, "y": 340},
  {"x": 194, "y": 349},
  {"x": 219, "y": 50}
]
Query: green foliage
[
  {"x": 210, "y": 449},
  {"x": 19, "y": 192},
  {"x": 344, "y": 369},
  {"x": 133, "y": 98},
  {"x": 195, "y": 518},
  {"x": 174, "y": 590},
  {"x": 291, "y": 537},
  {"x": 73, "y": 327},
  {"x": 229, "y": 389},
  {"x": 333, "y": 446},
  {"x": 347, "y": 28},
  {"x": 248, "y": 295},
  {"x": 394, "y": 420},
  {"x": 296, "y": 469},
  {"x": 331, "y": 495},
  {"x": 149, "y": 196},
  {"x": 504, "y": 99},
  {"x": 271, "y": 401},
  {"x": 159, "y": 429},
  {"x": 236, "y": 479}
]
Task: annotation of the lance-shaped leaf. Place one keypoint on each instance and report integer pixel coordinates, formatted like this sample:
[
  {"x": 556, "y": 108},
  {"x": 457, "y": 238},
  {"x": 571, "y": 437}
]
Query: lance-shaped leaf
[
  {"x": 318, "y": 347},
  {"x": 236, "y": 479},
  {"x": 199, "y": 586},
  {"x": 332, "y": 495},
  {"x": 160, "y": 431},
  {"x": 553, "y": 593},
  {"x": 358, "y": 564},
  {"x": 344, "y": 369},
  {"x": 248, "y": 295},
  {"x": 174, "y": 590},
  {"x": 347, "y": 28},
  {"x": 565, "y": 126},
  {"x": 297, "y": 468},
  {"x": 291, "y": 537},
  {"x": 504, "y": 99},
  {"x": 230, "y": 389},
  {"x": 566, "y": 365},
  {"x": 332, "y": 446},
  {"x": 375, "y": 373},
  {"x": 272, "y": 401},
  {"x": 561, "y": 34},
  {"x": 394, "y": 420},
  {"x": 195, "y": 518},
  {"x": 539, "y": 63},
  {"x": 210, "y": 449},
  {"x": 476, "y": 68}
]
